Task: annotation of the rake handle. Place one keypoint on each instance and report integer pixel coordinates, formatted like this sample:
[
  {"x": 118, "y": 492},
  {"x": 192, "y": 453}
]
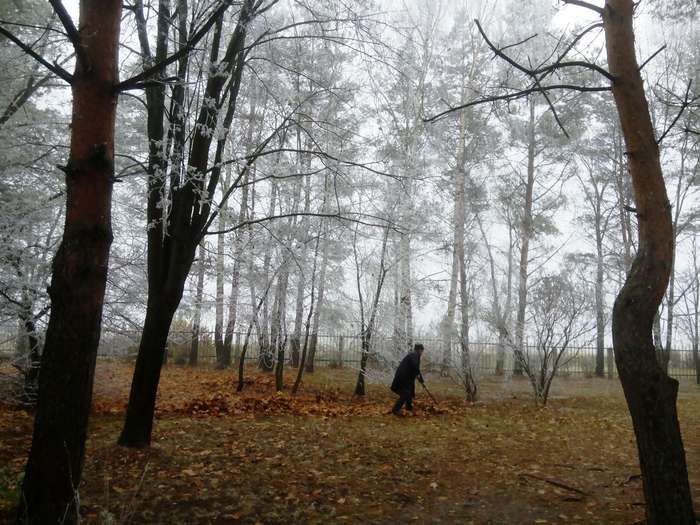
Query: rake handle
[{"x": 428, "y": 392}]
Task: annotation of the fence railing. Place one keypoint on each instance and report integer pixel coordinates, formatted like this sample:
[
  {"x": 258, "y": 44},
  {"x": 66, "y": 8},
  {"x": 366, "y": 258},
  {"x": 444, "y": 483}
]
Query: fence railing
[{"x": 345, "y": 350}]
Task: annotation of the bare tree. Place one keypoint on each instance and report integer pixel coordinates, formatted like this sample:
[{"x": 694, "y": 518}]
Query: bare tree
[
  {"x": 559, "y": 318},
  {"x": 650, "y": 393},
  {"x": 49, "y": 489},
  {"x": 368, "y": 316}
]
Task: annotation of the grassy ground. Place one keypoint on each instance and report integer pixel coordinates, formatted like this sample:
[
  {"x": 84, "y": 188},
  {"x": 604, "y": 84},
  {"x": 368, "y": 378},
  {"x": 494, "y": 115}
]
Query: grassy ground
[{"x": 324, "y": 457}]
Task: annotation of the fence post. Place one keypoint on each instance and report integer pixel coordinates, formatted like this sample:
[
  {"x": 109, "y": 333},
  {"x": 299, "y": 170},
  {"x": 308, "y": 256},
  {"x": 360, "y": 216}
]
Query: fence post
[
  {"x": 611, "y": 362},
  {"x": 341, "y": 345}
]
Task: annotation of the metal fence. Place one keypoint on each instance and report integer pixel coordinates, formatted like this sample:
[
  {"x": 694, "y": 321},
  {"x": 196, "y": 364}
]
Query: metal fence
[{"x": 345, "y": 350}]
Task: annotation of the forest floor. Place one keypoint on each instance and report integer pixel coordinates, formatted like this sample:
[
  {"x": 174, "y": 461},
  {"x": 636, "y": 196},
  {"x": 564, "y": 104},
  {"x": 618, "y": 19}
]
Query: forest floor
[{"x": 325, "y": 457}]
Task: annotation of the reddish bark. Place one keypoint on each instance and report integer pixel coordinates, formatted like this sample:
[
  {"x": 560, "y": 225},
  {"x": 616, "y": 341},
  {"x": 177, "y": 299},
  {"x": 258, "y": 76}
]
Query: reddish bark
[
  {"x": 651, "y": 394},
  {"x": 79, "y": 275}
]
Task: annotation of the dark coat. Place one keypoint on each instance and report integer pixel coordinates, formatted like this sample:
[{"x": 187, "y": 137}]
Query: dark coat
[{"x": 406, "y": 373}]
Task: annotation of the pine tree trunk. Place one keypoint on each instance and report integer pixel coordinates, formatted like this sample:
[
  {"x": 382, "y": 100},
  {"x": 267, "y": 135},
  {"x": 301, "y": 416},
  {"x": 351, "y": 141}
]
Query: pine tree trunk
[
  {"x": 651, "y": 394},
  {"x": 54, "y": 467}
]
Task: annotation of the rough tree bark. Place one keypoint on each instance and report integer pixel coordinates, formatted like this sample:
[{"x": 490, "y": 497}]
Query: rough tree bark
[
  {"x": 170, "y": 255},
  {"x": 651, "y": 394},
  {"x": 49, "y": 489}
]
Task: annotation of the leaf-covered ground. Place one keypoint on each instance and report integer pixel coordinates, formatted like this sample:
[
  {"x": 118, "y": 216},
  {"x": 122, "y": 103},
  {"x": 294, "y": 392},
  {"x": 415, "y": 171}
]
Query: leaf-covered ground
[{"x": 324, "y": 457}]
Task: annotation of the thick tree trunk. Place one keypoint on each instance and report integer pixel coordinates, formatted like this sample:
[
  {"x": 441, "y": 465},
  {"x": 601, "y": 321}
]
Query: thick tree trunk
[
  {"x": 52, "y": 476},
  {"x": 144, "y": 386},
  {"x": 651, "y": 394},
  {"x": 170, "y": 255}
]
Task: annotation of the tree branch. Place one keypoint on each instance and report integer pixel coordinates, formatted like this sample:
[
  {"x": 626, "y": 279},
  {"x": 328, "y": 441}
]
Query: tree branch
[
  {"x": 54, "y": 68},
  {"x": 652, "y": 57},
  {"x": 135, "y": 81},
  {"x": 518, "y": 94},
  {"x": 684, "y": 105},
  {"x": 586, "y": 5},
  {"x": 71, "y": 31},
  {"x": 338, "y": 215}
]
